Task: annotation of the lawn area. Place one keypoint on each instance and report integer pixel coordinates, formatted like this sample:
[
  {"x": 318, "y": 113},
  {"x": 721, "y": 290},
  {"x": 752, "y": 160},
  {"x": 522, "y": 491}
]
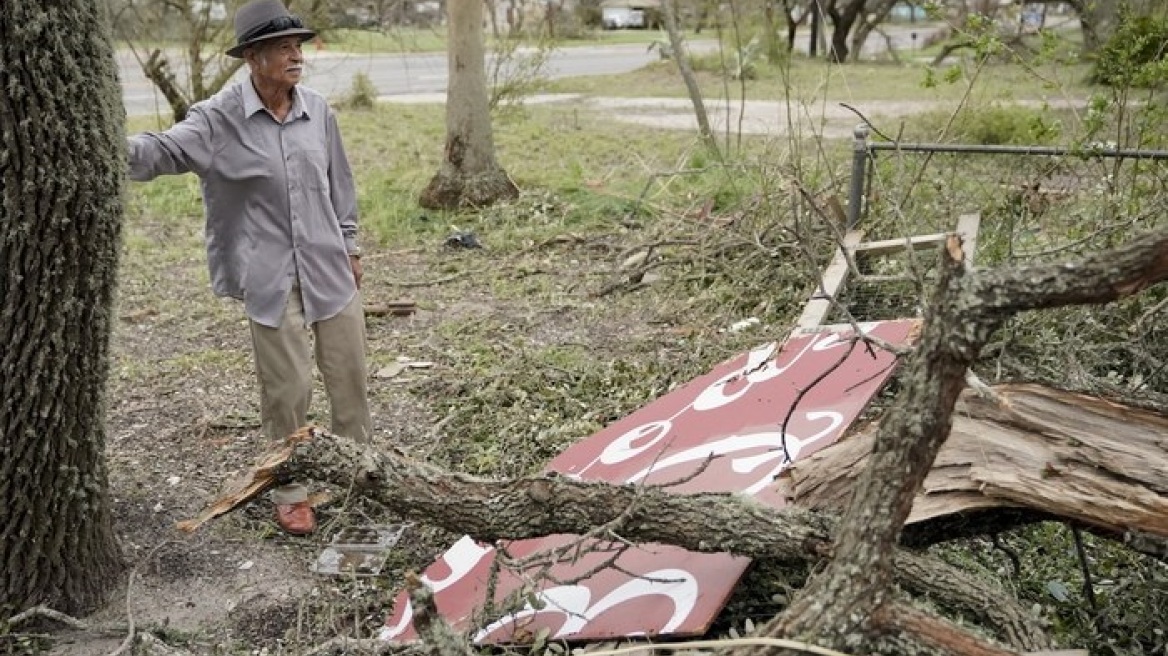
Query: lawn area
[{"x": 804, "y": 79}]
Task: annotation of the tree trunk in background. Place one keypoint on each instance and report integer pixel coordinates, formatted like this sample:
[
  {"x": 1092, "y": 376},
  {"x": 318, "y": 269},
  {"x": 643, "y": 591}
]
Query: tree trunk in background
[
  {"x": 61, "y": 173},
  {"x": 842, "y": 20},
  {"x": 681, "y": 56},
  {"x": 872, "y": 17},
  {"x": 1098, "y": 20},
  {"x": 470, "y": 176},
  {"x": 816, "y": 28}
]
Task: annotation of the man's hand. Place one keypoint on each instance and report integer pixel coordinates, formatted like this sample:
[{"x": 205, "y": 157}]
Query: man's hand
[{"x": 355, "y": 263}]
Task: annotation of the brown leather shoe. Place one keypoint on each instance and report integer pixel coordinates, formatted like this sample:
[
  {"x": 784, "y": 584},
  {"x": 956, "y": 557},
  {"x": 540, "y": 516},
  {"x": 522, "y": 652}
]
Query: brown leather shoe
[{"x": 296, "y": 518}]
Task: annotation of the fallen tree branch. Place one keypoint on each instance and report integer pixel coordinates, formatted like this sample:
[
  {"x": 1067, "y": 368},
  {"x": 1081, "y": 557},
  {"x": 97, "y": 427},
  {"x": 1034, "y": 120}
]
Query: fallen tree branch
[
  {"x": 1074, "y": 457},
  {"x": 47, "y": 613},
  {"x": 965, "y": 311},
  {"x": 535, "y": 506},
  {"x": 940, "y": 635},
  {"x": 779, "y": 643},
  {"x": 956, "y": 591}
]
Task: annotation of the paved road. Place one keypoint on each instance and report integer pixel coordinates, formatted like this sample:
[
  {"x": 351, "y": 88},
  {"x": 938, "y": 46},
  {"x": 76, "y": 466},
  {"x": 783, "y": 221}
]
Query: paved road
[{"x": 332, "y": 73}]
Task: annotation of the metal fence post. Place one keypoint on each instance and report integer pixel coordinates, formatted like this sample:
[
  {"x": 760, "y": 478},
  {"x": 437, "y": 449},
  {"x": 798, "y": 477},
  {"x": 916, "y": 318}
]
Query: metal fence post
[{"x": 859, "y": 174}]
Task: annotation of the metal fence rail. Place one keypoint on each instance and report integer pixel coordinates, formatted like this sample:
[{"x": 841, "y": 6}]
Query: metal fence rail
[{"x": 863, "y": 152}]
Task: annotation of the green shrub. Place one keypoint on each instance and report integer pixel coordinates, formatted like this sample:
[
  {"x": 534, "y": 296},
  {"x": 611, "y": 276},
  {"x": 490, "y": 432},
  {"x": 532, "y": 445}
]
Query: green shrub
[
  {"x": 1136, "y": 55},
  {"x": 992, "y": 125},
  {"x": 362, "y": 95}
]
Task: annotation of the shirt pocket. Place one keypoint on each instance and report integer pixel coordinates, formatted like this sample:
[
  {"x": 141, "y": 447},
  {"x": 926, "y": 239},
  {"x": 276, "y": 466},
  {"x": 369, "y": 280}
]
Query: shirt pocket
[{"x": 310, "y": 168}]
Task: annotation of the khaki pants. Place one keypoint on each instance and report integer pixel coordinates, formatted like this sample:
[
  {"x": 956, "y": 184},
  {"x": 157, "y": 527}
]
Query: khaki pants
[{"x": 283, "y": 358}]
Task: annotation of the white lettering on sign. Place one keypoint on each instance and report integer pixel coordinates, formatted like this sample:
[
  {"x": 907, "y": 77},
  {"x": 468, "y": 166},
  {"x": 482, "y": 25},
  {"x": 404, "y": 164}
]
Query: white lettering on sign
[
  {"x": 573, "y": 602},
  {"x": 461, "y": 558},
  {"x": 625, "y": 446},
  {"x": 770, "y": 440}
]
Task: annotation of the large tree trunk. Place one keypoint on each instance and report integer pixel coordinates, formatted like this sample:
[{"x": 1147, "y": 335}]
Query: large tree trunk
[
  {"x": 814, "y": 37},
  {"x": 61, "y": 173},
  {"x": 469, "y": 176}
]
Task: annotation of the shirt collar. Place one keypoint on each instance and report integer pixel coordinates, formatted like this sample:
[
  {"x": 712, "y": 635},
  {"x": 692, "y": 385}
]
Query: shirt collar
[{"x": 253, "y": 104}]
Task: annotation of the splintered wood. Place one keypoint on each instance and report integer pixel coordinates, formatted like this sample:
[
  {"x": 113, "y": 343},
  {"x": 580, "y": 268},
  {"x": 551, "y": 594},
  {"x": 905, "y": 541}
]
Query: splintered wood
[
  {"x": 244, "y": 487},
  {"x": 1070, "y": 455}
]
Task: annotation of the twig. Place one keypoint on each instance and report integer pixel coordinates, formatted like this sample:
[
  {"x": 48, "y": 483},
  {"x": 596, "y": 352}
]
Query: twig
[
  {"x": 871, "y": 126},
  {"x": 45, "y": 611},
  {"x": 1081, "y": 551},
  {"x": 437, "y": 281},
  {"x": 803, "y": 392},
  {"x": 129, "y": 640},
  {"x": 780, "y": 643},
  {"x": 1015, "y": 561}
]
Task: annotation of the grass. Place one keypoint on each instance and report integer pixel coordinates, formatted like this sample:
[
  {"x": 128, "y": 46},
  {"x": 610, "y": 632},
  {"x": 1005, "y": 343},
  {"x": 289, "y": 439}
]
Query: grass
[{"x": 804, "y": 80}]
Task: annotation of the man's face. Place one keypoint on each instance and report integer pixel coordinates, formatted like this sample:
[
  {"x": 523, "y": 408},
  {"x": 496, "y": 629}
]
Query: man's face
[{"x": 279, "y": 61}]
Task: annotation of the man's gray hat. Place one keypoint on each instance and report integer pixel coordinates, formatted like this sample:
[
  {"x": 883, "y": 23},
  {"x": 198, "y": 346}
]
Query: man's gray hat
[{"x": 261, "y": 20}]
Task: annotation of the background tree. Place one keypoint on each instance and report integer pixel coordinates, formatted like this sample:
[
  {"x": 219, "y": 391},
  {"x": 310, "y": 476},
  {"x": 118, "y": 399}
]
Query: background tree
[
  {"x": 470, "y": 176},
  {"x": 179, "y": 44},
  {"x": 854, "y": 21},
  {"x": 61, "y": 173}
]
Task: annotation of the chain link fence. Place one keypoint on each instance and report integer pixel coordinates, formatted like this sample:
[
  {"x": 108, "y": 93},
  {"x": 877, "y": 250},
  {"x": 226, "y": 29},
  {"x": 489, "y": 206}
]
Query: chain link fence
[{"x": 1035, "y": 204}]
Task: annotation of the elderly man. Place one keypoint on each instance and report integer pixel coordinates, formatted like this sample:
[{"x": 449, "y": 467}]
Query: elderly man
[{"x": 281, "y": 229}]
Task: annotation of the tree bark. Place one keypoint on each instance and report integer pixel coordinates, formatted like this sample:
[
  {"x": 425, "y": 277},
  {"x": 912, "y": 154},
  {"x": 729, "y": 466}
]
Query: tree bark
[
  {"x": 469, "y": 176},
  {"x": 1075, "y": 457},
  {"x": 61, "y": 176}
]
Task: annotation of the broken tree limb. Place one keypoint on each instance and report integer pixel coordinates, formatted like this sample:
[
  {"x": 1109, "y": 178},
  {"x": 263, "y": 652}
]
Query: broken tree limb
[
  {"x": 857, "y": 581},
  {"x": 1072, "y": 456},
  {"x": 966, "y": 309},
  {"x": 534, "y": 506},
  {"x": 246, "y": 486},
  {"x": 900, "y": 620},
  {"x": 966, "y": 595}
]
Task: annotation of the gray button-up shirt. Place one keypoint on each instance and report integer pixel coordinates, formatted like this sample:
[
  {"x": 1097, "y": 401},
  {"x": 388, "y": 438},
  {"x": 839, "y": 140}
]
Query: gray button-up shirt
[{"x": 280, "y": 200}]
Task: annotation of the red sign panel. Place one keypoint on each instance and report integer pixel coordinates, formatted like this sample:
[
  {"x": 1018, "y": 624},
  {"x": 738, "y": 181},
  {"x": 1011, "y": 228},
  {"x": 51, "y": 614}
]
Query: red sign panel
[{"x": 741, "y": 425}]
